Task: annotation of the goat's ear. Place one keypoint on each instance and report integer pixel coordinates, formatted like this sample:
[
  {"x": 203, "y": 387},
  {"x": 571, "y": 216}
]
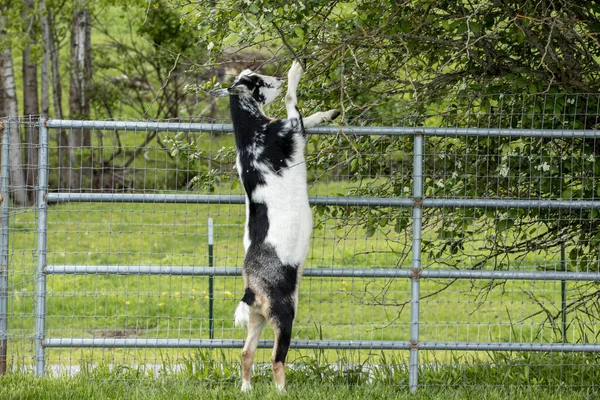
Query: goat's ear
[{"x": 219, "y": 92}]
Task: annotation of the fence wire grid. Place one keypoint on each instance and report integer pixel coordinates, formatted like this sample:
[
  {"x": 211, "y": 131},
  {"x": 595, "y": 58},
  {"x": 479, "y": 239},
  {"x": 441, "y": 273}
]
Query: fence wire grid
[{"x": 462, "y": 236}]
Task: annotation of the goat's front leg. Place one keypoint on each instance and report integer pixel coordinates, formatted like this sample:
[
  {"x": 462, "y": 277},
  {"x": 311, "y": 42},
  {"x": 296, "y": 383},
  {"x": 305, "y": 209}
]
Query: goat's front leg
[
  {"x": 291, "y": 101},
  {"x": 319, "y": 118}
]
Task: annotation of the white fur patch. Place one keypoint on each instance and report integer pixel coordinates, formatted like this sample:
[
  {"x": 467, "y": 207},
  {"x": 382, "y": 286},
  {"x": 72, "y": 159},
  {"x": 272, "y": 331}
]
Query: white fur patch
[
  {"x": 242, "y": 315},
  {"x": 290, "y": 217}
]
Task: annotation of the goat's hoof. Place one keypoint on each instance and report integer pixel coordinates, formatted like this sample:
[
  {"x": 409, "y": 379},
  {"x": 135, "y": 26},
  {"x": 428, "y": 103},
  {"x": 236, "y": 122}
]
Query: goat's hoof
[
  {"x": 246, "y": 387},
  {"x": 295, "y": 71},
  {"x": 280, "y": 388},
  {"x": 331, "y": 115}
]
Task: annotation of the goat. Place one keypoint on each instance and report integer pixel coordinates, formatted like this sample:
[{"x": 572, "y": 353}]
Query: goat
[{"x": 270, "y": 163}]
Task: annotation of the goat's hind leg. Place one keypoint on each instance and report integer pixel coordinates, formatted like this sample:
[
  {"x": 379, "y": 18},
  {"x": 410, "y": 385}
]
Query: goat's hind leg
[
  {"x": 255, "y": 327},
  {"x": 281, "y": 321}
]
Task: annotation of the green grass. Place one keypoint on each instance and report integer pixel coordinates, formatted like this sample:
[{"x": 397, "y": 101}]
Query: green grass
[
  {"x": 25, "y": 389},
  {"x": 206, "y": 376},
  {"x": 177, "y": 307}
]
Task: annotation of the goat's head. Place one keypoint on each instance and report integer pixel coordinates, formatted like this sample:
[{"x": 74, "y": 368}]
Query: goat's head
[{"x": 262, "y": 88}]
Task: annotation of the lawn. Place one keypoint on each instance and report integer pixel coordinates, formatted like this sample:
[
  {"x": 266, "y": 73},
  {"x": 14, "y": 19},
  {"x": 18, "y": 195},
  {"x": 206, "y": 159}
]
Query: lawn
[
  {"x": 203, "y": 378},
  {"x": 174, "y": 307}
]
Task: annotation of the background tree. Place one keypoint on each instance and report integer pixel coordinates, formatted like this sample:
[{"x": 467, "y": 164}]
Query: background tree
[
  {"x": 7, "y": 75},
  {"x": 79, "y": 92},
  {"x": 498, "y": 63},
  {"x": 31, "y": 107},
  {"x": 147, "y": 73}
]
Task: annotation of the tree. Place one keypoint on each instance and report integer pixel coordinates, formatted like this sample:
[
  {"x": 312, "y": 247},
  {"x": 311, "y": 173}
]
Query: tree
[
  {"x": 79, "y": 103},
  {"x": 48, "y": 49},
  {"x": 7, "y": 76},
  {"x": 31, "y": 108},
  {"x": 51, "y": 80},
  {"x": 150, "y": 67},
  {"x": 146, "y": 74},
  {"x": 1, "y": 90},
  {"x": 499, "y": 63}
]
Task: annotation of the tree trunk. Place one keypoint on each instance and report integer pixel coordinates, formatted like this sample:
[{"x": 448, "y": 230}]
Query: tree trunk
[
  {"x": 31, "y": 108},
  {"x": 81, "y": 68},
  {"x": 2, "y": 114},
  {"x": 48, "y": 48},
  {"x": 50, "y": 76},
  {"x": 17, "y": 180},
  {"x": 79, "y": 105}
]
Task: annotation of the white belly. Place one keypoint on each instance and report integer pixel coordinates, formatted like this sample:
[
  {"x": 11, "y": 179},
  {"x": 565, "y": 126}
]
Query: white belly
[{"x": 290, "y": 217}]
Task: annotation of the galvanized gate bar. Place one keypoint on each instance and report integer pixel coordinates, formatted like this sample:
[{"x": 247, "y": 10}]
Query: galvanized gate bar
[
  {"x": 454, "y": 132},
  {"x": 323, "y": 201},
  {"x": 143, "y": 198},
  {"x": 217, "y": 199},
  {"x": 325, "y": 272},
  {"x": 42, "y": 226},
  {"x": 139, "y": 125},
  {"x": 4, "y": 233},
  {"x": 329, "y": 130},
  {"x": 319, "y": 344},
  {"x": 511, "y": 203},
  {"x": 215, "y": 271},
  {"x": 512, "y": 275}
]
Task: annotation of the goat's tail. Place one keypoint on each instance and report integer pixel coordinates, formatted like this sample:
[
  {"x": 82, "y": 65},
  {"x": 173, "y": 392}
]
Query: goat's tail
[{"x": 242, "y": 312}]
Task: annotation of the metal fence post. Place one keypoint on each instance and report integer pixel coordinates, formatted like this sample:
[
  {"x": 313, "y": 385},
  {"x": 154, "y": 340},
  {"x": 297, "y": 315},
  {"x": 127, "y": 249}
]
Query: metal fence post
[
  {"x": 4, "y": 200},
  {"x": 211, "y": 282},
  {"x": 417, "y": 213},
  {"x": 42, "y": 206},
  {"x": 563, "y": 293}
]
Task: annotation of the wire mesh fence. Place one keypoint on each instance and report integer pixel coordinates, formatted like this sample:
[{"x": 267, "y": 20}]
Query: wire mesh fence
[{"x": 450, "y": 240}]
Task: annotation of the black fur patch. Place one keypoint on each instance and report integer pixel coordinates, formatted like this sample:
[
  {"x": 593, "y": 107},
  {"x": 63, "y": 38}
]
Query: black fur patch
[
  {"x": 301, "y": 122},
  {"x": 258, "y": 222},
  {"x": 284, "y": 315},
  {"x": 249, "y": 297},
  {"x": 277, "y": 280},
  {"x": 279, "y": 147},
  {"x": 286, "y": 285},
  {"x": 247, "y": 129}
]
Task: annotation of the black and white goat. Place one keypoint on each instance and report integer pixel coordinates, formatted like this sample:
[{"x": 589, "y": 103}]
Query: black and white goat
[{"x": 270, "y": 162}]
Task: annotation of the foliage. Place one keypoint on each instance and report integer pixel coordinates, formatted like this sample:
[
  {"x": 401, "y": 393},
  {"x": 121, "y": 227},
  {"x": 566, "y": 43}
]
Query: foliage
[
  {"x": 193, "y": 159},
  {"x": 488, "y": 64},
  {"x": 369, "y": 55},
  {"x": 144, "y": 71}
]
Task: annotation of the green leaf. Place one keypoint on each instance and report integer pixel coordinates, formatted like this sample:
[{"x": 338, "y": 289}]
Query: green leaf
[
  {"x": 533, "y": 88},
  {"x": 504, "y": 224},
  {"x": 573, "y": 254},
  {"x": 354, "y": 165},
  {"x": 401, "y": 224},
  {"x": 299, "y": 32},
  {"x": 567, "y": 194},
  {"x": 475, "y": 27}
]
